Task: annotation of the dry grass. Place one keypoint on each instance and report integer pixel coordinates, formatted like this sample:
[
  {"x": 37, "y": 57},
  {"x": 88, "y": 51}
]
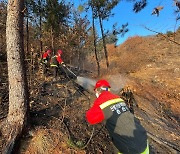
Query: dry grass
[
  {"x": 46, "y": 141},
  {"x": 153, "y": 60}
]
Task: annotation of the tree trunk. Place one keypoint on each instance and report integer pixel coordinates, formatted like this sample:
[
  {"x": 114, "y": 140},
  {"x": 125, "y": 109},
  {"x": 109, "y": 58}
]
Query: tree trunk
[
  {"x": 78, "y": 57},
  {"x": 104, "y": 43},
  {"x": 40, "y": 25},
  {"x": 52, "y": 40},
  {"x": 18, "y": 98},
  {"x": 27, "y": 33},
  {"x": 95, "y": 49}
]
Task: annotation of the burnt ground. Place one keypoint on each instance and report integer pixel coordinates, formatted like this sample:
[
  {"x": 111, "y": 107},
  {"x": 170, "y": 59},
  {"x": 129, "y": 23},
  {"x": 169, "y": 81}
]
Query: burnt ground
[
  {"x": 57, "y": 108},
  {"x": 58, "y": 125}
]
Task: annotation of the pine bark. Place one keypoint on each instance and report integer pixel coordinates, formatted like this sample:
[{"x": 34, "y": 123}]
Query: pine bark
[
  {"x": 40, "y": 25},
  {"x": 12, "y": 127}
]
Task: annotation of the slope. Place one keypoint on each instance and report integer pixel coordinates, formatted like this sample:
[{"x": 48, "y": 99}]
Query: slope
[{"x": 149, "y": 66}]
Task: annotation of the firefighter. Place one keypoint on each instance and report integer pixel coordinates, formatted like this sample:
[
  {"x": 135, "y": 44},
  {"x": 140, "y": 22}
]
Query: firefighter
[
  {"x": 126, "y": 132},
  {"x": 45, "y": 60},
  {"x": 57, "y": 63},
  {"x": 59, "y": 58}
]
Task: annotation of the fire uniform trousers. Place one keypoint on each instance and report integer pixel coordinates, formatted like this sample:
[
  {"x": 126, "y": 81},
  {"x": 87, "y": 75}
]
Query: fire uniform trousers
[
  {"x": 55, "y": 63},
  {"x": 45, "y": 59},
  {"x": 126, "y": 132}
]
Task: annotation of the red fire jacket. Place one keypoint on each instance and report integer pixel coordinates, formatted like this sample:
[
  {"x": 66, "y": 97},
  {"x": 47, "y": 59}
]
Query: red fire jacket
[
  {"x": 126, "y": 131},
  {"x": 58, "y": 58},
  {"x": 95, "y": 115},
  {"x": 45, "y": 55}
]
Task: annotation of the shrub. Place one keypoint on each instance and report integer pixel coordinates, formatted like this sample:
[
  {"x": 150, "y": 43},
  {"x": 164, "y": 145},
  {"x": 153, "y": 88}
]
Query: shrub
[{"x": 169, "y": 33}]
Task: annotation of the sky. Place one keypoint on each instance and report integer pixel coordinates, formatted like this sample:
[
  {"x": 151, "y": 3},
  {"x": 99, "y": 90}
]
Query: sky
[{"x": 123, "y": 14}]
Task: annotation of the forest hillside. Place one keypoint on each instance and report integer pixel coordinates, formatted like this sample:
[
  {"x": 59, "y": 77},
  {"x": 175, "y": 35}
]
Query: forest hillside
[
  {"x": 148, "y": 66},
  {"x": 53, "y": 52},
  {"x": 152, "y": 62}
]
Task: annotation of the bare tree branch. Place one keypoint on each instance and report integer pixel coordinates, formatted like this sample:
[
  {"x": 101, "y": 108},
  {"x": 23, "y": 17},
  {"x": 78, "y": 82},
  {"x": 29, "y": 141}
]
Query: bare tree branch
[{"x": 161, "y": 35}]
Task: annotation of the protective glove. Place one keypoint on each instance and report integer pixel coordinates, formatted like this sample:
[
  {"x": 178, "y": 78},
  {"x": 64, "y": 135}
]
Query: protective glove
[{"x": 63, "y": 64}]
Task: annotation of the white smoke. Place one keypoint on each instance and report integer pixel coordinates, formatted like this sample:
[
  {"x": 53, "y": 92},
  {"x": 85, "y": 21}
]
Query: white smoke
[
  {"x": 117, "y": 82},
  {"x": 86, "y": 83}
]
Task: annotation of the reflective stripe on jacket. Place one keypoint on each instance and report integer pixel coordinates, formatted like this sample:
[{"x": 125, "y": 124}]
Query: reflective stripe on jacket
[
  {"x": 54, "y": 62},
  {"x": 146, "y": 151},
  {"x": 95, "y": 114}
]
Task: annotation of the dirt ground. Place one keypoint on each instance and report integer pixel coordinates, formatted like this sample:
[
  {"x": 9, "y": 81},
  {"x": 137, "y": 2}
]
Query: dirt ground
[{"x": 150, "y": 68}]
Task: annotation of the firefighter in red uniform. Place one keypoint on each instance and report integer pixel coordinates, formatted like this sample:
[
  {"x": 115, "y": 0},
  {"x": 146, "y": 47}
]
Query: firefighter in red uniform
[
  {"x": 56, "y": 62},
  {"x": 59, "y": 59},
  {"x": 126, "y": 132},
  {"x": 45, "y": 59}
]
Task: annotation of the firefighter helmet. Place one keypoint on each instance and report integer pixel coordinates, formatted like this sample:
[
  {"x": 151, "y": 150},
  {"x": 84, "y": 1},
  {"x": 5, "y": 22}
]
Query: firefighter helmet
[
  {"x": 59, "y": 51},
  {"x": 49, "y": 51},
  {"x": 102, "y": 83}
]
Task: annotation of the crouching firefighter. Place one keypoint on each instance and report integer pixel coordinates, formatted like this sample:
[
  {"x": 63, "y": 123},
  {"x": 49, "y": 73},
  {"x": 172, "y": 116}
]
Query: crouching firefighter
[{"x": 126, "y": 132}]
